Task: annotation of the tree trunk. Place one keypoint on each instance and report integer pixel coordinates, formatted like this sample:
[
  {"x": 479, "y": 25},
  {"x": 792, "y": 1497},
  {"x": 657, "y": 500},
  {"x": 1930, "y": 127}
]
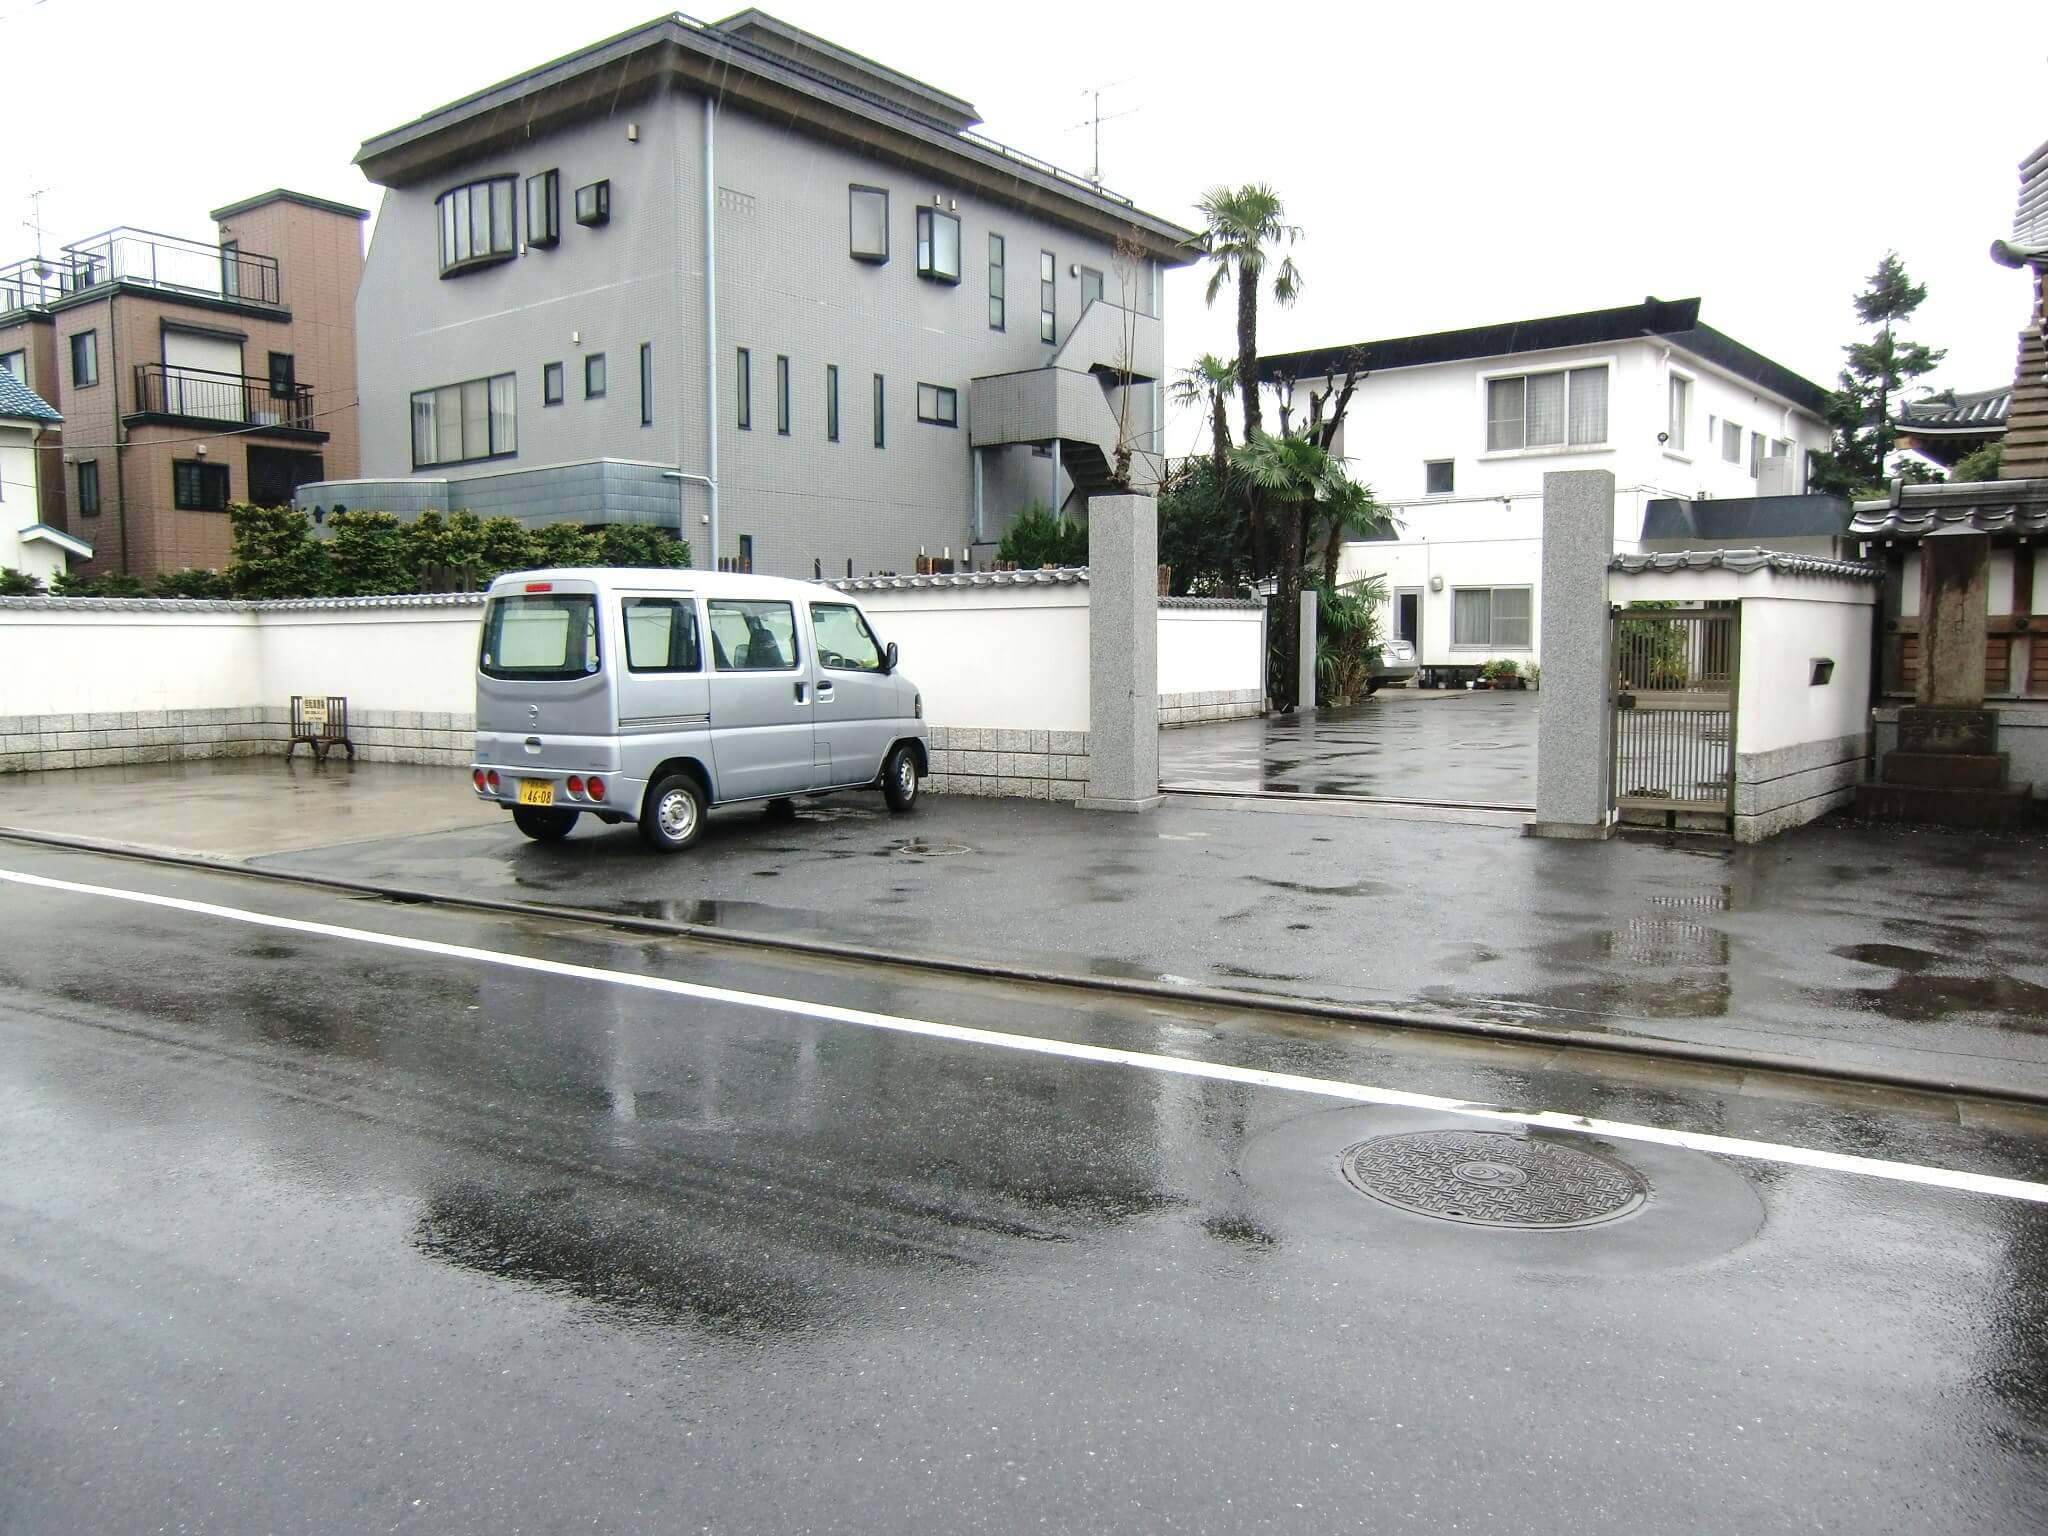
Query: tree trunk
[
  {"x": 1333, "y": 551},
  {"x": 1219, "y": 429},
  {"x": 1248, "y": 351},
  {"x": 1285, "y": 689}
]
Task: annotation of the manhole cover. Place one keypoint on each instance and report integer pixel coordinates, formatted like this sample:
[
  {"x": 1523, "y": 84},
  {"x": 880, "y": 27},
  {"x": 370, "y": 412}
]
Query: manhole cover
[
  {"x": 1493, "y": 1179},
  {"x": 918, "y": 848}
]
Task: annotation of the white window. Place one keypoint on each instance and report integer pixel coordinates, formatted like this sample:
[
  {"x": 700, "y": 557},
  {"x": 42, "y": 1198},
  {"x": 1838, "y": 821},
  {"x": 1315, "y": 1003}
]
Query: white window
[
  {"x": 459, "y": 423},
  {"x": 1731, "y": 441},
  {"x": 1756, "y": 453},
  {"x": 15, "y": 363},
  {"x": 1547, "y": 410},
  {"x": 1490, "y": 618},
  {"x": 1780, "y": 447},
  {"x": 938, "y": 404},
  {"x": 867, "y": 224},
  {"x": 1680, "y": 409}
]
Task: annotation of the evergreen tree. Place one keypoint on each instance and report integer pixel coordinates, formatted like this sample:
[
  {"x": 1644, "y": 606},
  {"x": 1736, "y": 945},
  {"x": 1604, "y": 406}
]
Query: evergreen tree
[
  {"x": 1879, "y": 369},
  {"x": 274, "y": 553},
  {"x": 503, "y": 544},
  {"x": 641, "y": 544},
  {"x": 561, "y": 545},
  {"x": 366, "y": 555}
]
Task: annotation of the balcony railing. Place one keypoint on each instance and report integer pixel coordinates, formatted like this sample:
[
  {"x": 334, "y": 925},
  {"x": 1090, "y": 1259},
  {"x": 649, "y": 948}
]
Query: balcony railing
[
  {"x": 151, "y": 260},
  {"x": 200, "y": 394}
]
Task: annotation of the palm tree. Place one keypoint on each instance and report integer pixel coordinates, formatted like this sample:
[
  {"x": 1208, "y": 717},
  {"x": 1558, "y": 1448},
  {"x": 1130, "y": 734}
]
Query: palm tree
[
  {"x": 1295, "y": 474},
  {"x": 1241, "y": 231},
  {"x": 1346, "y": 507},
  {"x": 1208, "y": 383}
]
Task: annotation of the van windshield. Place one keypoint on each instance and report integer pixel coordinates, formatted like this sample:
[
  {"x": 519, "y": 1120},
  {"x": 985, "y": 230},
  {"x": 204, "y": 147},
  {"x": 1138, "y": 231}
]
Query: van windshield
[{"x": 540, "y": 635}]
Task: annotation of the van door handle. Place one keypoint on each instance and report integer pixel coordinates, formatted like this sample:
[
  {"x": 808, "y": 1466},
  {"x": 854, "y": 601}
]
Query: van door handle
[
  {"x": 799, "y": 693},
  {"x": 824, "y": 693}
]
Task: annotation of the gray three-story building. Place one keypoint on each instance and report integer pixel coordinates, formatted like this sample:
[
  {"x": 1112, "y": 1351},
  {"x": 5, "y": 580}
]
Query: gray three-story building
[{"x": 733, "y": 276}]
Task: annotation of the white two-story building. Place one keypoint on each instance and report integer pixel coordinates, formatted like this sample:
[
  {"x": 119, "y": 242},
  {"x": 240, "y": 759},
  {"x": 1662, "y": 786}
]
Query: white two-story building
[{"x": 1455, "y": 431}]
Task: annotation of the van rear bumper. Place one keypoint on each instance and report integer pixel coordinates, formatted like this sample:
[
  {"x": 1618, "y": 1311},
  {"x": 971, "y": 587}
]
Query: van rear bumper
[{"x": 622, "y": 795}]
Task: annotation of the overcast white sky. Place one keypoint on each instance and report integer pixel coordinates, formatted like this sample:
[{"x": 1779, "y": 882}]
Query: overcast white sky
[{"x": 1450, "y": 164}]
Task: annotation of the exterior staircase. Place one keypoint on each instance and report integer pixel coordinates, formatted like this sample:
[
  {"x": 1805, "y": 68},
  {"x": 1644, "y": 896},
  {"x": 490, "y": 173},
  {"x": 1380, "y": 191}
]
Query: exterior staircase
[
  {"x": 1068, "y": 402},
  {"x": 1946, "y": 770}
]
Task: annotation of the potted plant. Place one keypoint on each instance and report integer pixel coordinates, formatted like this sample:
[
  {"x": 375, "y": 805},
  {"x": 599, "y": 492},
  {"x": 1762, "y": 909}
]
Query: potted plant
[
  {"x": 1536, "y": 676},
  {"x": 1504, "y": 673}
]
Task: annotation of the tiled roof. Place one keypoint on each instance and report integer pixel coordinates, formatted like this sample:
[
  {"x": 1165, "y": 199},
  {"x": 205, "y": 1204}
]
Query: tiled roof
[
  {"x": 1065, "y": 576},
  {"x": 20, "y": 403},
  {"x": 1982, "y": 410},
  {"x": 2030, "y": 219},
  {"x": 236, "y": 605},
  {"x": 1988, "y": 506},
  {"x": 1743, "y": 561}
]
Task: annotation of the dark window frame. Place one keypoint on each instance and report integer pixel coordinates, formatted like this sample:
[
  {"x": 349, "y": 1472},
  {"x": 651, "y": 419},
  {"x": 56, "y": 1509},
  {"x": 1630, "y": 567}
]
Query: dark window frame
[
  {"x": 91, "y": 339},
  {"x": 554, "y": 384},
  {"x": 210, "y": 485},
  {"x": 20, "y": 354},
  {"x": 583, "y": 612},
  {"x": 600, "y": 193},
  {"x": 743, "y": 389},
  {"x": 646, "y": 383},
  {"x": 89, "y": 488},
  {"x": 596, "y": 360},
  {"x": 781, "y": 395},
  {"x": 494, "y": 451},
  {"x": 943, "y": 396},
  {"x": 831, "y": 402},
  {"x": 284, "y": 381},
  {"x": 1048, "y": 298},
  {"x": 873, "y": 258},
  {"x": 928, "y": 217},
  {"x": 1450, "y": 469},
  {"x": 693, "y": 660},
  {"x": 881, "y": 412},
  {"x": 544, "y": 233},
  {"x": 445, "y": 224},
  {"x": 998, "y": 284}
]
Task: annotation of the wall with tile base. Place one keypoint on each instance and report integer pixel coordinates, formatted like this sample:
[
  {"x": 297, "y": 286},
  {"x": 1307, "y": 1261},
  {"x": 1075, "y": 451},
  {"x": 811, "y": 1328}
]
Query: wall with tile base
[{"x": 1025, "y": 765}]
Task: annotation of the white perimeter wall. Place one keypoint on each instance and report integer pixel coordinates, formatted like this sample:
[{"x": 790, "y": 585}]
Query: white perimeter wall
[
  {"x": 1211, "y": 650},
  {"x": 1008, "y": 657},
  {"x": 66, "y": 659}
]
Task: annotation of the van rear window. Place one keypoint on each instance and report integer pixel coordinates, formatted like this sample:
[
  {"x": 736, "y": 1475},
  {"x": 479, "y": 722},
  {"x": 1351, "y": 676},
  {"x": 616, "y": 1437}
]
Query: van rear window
[{"x": 551, "y": 635}]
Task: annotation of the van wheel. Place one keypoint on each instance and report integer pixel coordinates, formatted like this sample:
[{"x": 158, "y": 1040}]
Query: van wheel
[
  {"x": 544, "y": 824},
  {"x": 673, "y": 814},
  {"x": 899, "y": 779}
]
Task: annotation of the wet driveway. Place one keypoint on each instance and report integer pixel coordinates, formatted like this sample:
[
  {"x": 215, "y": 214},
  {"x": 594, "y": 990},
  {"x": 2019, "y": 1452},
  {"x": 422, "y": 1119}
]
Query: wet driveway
[
  {"x": 298, "y": 1232},
  {"x": 1456, "y": 749}
]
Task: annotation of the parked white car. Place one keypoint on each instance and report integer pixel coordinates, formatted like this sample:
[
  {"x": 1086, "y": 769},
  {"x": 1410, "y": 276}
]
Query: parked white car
[{"x": 653, "y": 695}]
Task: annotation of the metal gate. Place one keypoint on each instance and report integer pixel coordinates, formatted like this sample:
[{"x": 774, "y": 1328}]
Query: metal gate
[{"x": 1675, "y": 676}]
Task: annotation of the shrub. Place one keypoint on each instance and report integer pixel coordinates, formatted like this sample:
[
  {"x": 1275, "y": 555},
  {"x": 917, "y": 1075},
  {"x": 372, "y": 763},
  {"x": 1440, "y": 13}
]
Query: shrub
[
  {"x": 1502, "y": 670},
  {"x": 366, "y": 555},
  {"x": 1038, "y": 539},
  {"x": 1347, "y": 637},
  {"x": 15, "y": 583},
  {"x": 193, "y": 581},
  {"x": 274, "y": 553},
  {"x": 641, "y": 544}
]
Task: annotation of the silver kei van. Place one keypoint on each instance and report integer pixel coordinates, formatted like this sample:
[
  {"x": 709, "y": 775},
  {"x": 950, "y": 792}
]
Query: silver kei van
[{"x": 651, "y": 696}]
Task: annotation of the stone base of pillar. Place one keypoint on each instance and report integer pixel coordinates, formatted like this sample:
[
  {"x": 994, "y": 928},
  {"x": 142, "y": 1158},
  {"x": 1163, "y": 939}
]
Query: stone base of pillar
[{"x": 1568, "y": 831}]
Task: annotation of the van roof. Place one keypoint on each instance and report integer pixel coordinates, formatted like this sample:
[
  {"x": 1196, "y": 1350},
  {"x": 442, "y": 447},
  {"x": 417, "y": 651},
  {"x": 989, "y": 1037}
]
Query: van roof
[{"x": 710, "y": 583}]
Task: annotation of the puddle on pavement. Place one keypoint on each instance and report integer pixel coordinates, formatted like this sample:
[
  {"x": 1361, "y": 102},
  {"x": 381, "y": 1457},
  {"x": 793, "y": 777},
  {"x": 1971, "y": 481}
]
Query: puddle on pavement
[
  {"x": 1303, "y": 888},
  {"x": 1895, "y": 957},
  {"x": 1919, "y": 998}
]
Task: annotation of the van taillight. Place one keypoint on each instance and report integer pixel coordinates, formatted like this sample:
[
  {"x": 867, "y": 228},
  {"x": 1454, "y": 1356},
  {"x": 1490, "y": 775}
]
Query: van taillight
[
  {"x": 491, "y": 778},
  {"x": 575, "y": 783},
  {"x": 597, "y": 789},
  {"x": 477, "y": 774}
]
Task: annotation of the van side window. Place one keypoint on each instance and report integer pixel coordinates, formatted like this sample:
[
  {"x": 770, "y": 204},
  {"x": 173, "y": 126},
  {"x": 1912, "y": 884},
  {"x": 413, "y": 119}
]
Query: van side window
[
  {"x": 661, "y": 635},
  {"x": 845, "y": 643},
  {"x": 750, "y": 635}
]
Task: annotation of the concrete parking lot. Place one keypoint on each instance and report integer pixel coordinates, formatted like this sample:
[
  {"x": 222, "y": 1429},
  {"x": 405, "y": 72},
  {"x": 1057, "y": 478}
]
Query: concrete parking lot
[{"x": 1475, "y": 748}]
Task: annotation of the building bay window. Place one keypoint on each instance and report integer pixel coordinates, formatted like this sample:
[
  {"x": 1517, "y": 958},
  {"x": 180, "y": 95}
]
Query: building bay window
[
  {"x": 478, "y": 224},
  {"x": 1547, "y": 410},
  {"x": 462, "y": 423},
  {"x": 544, "y": 210},
  {"x": 938, "y": 245}
]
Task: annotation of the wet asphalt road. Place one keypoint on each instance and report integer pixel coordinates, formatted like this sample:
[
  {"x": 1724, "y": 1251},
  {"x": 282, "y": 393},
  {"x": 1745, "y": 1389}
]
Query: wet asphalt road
[{"x": 301, "y": 1234}]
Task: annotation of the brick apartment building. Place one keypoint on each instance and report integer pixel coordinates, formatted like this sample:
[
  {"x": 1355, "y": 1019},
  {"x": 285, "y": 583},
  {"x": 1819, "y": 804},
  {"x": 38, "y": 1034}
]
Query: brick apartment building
[{"x": 189, "y": 374}]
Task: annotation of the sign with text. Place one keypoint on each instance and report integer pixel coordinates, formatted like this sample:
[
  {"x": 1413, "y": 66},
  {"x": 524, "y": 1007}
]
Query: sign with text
[{"x": 312, "y": 710}]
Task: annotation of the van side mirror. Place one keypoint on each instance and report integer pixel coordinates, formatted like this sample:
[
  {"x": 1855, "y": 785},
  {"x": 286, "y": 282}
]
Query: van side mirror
[{"x": 889, "y": 657}]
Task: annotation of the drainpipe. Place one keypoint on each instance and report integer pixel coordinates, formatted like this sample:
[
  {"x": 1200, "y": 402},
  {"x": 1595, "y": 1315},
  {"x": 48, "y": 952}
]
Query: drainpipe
[
  {"x": 711, "y": 321},
  {"x": 120, "y": 436},
  {"x": 1054, "y": 493},
  {"x": 979, "y": 523}
]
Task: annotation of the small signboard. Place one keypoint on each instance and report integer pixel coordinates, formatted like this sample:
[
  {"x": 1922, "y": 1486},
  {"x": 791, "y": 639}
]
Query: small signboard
[{"x": 312, "y": 710}]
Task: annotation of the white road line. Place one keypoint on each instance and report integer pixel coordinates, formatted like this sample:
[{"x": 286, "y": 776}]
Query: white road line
[{"x": 1285, "y": 1082}]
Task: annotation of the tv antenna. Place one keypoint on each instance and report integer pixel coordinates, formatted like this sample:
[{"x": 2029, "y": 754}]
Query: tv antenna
[
  {"x": 34, "y": 223},
  {"x": 1095, "y": 120}
]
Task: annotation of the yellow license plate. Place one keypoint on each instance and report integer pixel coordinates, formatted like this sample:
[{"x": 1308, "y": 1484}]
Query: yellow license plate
[{"x": 536, "y": 792}]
